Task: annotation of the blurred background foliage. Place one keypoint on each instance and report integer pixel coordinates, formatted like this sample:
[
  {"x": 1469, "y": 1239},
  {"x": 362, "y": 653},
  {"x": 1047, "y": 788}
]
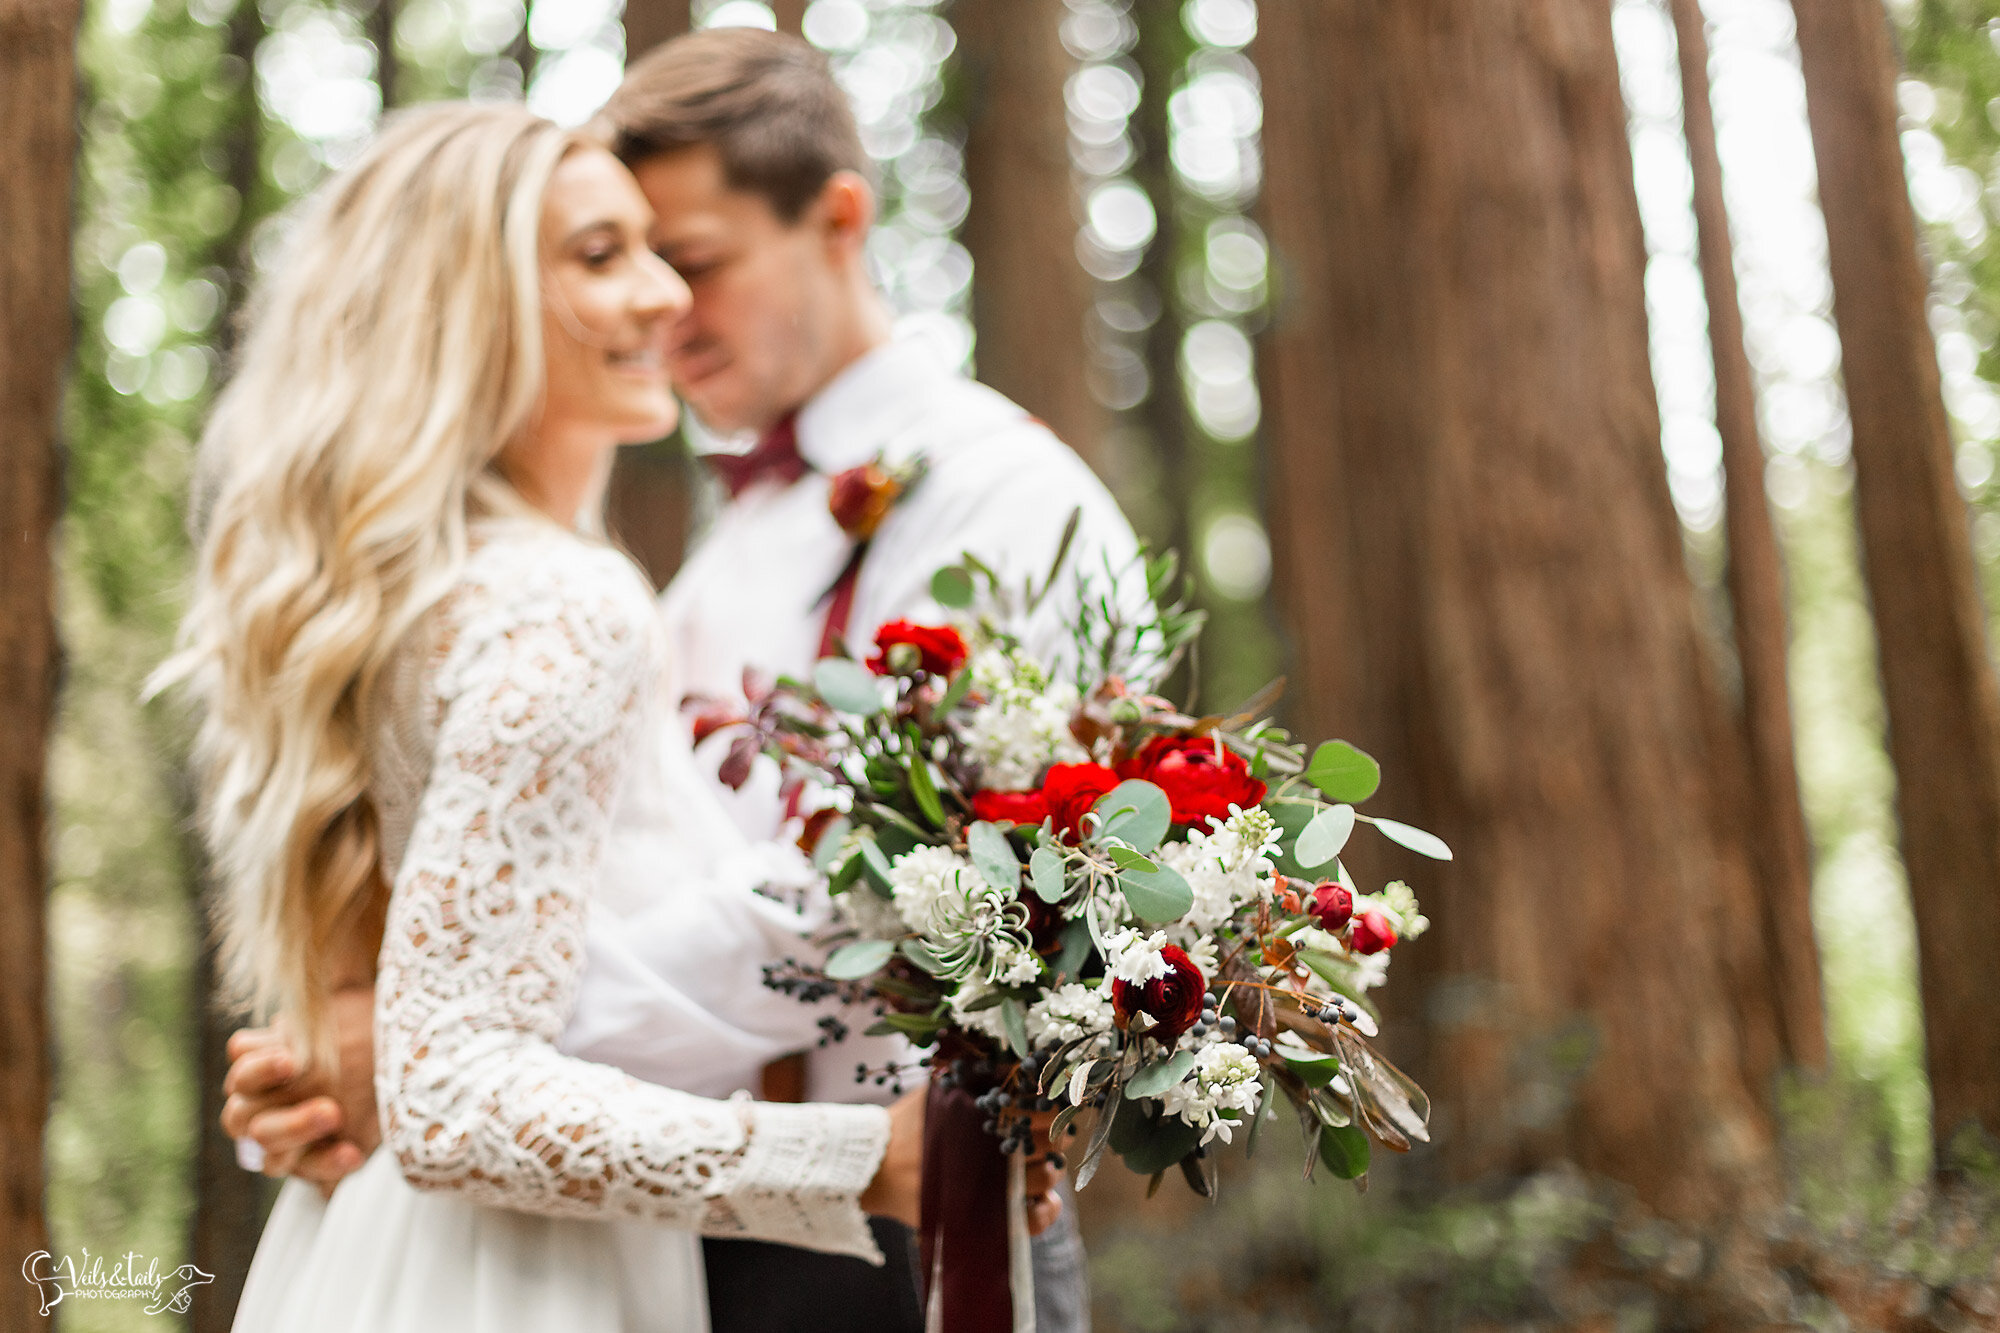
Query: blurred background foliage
[{"x": 203, "y": 118}]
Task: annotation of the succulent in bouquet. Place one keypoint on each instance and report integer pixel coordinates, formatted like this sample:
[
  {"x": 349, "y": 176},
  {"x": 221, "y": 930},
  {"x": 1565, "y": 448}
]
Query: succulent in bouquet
[{"x": 1101, "y": 914}]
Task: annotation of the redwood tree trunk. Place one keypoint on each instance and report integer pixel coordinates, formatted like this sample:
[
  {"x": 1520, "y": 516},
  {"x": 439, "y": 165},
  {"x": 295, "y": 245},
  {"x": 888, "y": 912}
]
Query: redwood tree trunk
[
  {"x": 37, "y": 153},
  {"x": 1481, "y": 572},
  {"x": 1776, "y": 818},
  {"x": 650, "y": 22},
  {"x": 1944, "y": 712},
  {"x": 1030, "y": 296}
]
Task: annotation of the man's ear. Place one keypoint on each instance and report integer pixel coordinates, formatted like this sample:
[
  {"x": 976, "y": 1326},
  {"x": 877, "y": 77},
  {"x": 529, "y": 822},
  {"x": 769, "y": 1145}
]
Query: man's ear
[{"x": 847, "y": 209}]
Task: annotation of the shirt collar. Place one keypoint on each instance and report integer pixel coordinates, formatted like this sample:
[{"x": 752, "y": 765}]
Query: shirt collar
[{"x": 868, "y": 408}]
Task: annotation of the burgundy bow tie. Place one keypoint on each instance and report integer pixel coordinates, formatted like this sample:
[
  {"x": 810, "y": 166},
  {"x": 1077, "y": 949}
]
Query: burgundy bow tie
[{"x": 776, "y": 458}]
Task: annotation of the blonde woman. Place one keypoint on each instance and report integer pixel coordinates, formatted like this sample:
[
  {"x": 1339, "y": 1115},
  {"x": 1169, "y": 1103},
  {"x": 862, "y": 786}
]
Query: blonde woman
[{"x": 412, "y": 669}]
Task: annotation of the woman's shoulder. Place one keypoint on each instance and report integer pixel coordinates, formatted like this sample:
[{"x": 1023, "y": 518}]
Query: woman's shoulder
[{"x": 527, "y": 580}]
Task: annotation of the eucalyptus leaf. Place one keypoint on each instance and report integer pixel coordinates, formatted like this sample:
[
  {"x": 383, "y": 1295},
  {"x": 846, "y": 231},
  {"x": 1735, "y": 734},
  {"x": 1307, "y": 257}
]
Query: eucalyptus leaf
[
  {"x": 1314, "y": 1071},
  {"x": 1127, "y": 859},
  {"x": 848, "y": 687},
  {"x": 830, "y": 840},
  {"x": 1156, "y": 1078},
  {"x": 1343, "y": 773},
  {"x": 1151, "y": 1143},
  {"x": 1075, "y": 949},
  {"x": 1418, "y": 841},
  {"x": 952, "y": 587},
  {"x": 1136, "y": 812},
  {"x": 1045, "y": 868},
  {"x": 1014, "y": 1021},
  {"x": 993, "y": 856},
  {"x": 1345, "y": 1150},
  {"x": 875, "y": 867},
  {"x": 920, "y": 953},
  {"x": 1325, "y": 836},
  {"x": 1157, "y": 896},
  {"x": 851, "y": 962}
]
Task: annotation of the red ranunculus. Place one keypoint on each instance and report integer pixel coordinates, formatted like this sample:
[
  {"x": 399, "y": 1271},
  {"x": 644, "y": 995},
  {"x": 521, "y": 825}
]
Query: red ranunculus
[
  {"x": 1173, "y": 1001},
  {"x": 1332, "y": 905},
  {"x": 1372, "y": 933},
  {"x": 1070, "y": 790},
  {"x": 940, "y": 648},
  {"x": 1201, "y": 779},
  {"x": 861, "y": 497},
  {"x": 1022, "y": 807}
]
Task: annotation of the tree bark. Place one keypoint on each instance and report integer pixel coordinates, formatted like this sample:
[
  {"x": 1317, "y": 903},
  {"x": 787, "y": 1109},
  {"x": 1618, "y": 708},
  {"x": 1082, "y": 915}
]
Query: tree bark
[
  {"x": 1481, "y": 573},
  {"x": 650, "y": 22},
  {"x": 1937, "y": 677},
  {"x": 1030, "y": 296},
  {"x": 648, "y": 508},
  {"x": 1756, "y": 583},
  {"x": 38, "y": 146},
  {"x": 791, "y": 15},
  {"x": 382, "y": 32},
  {"x": 1161, "y": 54}
]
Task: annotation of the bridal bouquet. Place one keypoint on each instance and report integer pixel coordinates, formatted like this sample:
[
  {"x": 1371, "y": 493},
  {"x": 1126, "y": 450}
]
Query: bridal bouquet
[{"x": 1088, "y": 902}]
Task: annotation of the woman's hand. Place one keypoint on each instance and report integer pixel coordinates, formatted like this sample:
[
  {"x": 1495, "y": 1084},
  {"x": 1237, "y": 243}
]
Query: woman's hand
[{"x": 894, "y": 1193}]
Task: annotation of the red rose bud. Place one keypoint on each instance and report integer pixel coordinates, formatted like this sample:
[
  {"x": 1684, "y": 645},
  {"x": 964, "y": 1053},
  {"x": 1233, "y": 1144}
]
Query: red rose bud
[
  {"x": 1022, "y": 807},
  {"x": 1201, "y": 779},
  {"x": 1372, "y": 933},
  {"x": 939, "y": 648},
  {"x": 1333, "y": 906},
  {"x": 860, "y": 498},
  {"x": 1173, "y": 1001},
  {"x": 1070, "y": 790}
]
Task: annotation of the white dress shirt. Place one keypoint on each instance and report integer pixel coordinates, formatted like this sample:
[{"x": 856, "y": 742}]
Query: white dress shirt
[{"x": 999, "y": 484}]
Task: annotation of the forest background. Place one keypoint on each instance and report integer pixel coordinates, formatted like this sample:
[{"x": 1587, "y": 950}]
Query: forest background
[{"x": 1088, "y": 203}]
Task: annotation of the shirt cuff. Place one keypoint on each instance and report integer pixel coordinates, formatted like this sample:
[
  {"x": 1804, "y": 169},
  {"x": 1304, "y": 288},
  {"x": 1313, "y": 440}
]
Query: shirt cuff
[{"x": 803, "y": 1172}]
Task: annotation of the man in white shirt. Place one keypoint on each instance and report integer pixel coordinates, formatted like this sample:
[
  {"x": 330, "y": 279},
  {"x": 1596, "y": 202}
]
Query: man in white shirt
[{"x": 748, "y": 152}]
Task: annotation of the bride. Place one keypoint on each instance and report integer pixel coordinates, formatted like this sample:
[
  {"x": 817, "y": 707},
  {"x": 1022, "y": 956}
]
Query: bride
[{"x": 413, "y": 669}]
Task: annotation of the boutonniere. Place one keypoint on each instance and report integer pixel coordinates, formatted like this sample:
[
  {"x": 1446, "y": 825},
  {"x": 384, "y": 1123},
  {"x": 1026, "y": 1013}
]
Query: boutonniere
[{"x": 861, "y": 497}]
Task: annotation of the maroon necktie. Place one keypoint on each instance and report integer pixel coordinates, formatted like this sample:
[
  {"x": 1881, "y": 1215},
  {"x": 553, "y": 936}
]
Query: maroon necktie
[{"x": 776, "y": 458}]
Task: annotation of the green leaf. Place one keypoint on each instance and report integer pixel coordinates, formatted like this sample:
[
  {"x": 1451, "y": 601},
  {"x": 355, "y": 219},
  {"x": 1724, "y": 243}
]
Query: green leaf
[
  {"x": 1343, "y": 773},
  {"x": 1418, "y": 841},
  {"x": 851, "y": 962},
  {"x": 875, "y": 866},
  {"x": 1151, "y": 1143},
  {"x": 1345, "y": 1150},
  {"x": 1045, "y": 868},
  {"x": 993, "y": 856},
  {"x": 843, "y": 878},
  {"x": 952, "y": 587},
  {"x": 830, "y": 839},
  {"x": 955, "y": 693},
  {"x": 1325, "y": 836},
  {"x": 1075, "y": 949},
  {"x": 1158, "y": 896},
  {"x": 1316, "y": 1070},
  {"x": 1156, "y": 1078},
  {"x": 848, "y": 687},
  {"x": 1136, "y": 812},
  {"x": 920, "y": 953},
  {"x": 1127, "y": 859},
  {"x": 912, "y": 1025},
  {"x": 924, "y": 788},
  {"x": 1014, "y": 1020}
]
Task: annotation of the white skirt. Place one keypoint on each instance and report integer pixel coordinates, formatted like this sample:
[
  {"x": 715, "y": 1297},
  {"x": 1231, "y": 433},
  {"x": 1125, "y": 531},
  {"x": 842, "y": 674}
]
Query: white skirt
[{"x": 382, "y": 1257}]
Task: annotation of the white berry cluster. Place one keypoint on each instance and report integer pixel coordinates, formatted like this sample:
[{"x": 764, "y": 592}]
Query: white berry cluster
[
  {"x": 1023, "y": 726},
  {"x": 1225, "y": 1078}
]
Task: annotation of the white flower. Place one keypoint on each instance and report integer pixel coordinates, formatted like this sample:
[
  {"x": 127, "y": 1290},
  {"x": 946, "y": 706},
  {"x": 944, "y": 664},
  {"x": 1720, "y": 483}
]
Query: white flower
[
  {"x": 1023, "y": 726},
  {"x": 1069, "y": 1012},
  {"x": 868, "y": 913},
  {"x": 1399, "y": 903},
  {"x": 1013, "y": 964},
  {"x": 1228, "y": 867},
  {"x": 986, "y": 1020},
  {"x": 1225, "y": 1077},
  {"x": 1136, "y": 959},
  {"x": 920, "y": 876}
]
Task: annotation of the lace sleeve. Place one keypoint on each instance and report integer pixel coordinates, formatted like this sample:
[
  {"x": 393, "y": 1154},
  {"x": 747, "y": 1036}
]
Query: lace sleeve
[{"x": 536, "y": 700}]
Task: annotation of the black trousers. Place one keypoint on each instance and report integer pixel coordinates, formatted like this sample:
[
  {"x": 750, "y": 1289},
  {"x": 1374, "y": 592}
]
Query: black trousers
[{"x": 757, "y": 1287}]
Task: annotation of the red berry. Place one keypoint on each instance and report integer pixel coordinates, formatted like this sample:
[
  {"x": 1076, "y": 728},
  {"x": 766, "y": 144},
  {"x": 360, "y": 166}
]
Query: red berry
[
  {"x": 1332, "y": 905},
  {"x": 1372, "y": 933}
]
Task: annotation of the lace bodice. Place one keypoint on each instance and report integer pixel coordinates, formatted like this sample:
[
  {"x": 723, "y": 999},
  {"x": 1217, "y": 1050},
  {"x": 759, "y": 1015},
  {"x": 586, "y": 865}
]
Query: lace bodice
[{"x": 511, "y": 719}]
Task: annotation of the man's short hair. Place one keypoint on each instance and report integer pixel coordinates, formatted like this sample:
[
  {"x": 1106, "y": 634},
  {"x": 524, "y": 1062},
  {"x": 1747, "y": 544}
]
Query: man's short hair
[{"x": 766, "y": 101}]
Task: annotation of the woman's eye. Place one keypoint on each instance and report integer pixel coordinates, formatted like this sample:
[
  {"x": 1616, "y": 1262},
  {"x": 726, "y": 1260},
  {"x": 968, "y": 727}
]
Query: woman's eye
[{"x": 599, "y": 258}]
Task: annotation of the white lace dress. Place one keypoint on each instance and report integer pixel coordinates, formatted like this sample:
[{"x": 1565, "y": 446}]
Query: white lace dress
[{"x": 520, "y": 1187}]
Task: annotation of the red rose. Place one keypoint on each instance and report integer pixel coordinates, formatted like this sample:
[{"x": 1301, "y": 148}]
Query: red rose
[
  {"x": 1173, "y": 1001},
  {"x": 860, "y": 498},
  {"x": 1201, "y": 778},
  {"x": 1022, "y": 807},
  {"x": 1332, "y": 905},
  {"x": 1071, "y": 789},
  {"x": 1372, "y": 933},
  {"x": 941, "y": 651}
]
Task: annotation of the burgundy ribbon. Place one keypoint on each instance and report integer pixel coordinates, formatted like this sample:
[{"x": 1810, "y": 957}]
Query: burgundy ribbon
[
  {"x": 964, "y": 1217},
  {"x": 776, "y": 457}
]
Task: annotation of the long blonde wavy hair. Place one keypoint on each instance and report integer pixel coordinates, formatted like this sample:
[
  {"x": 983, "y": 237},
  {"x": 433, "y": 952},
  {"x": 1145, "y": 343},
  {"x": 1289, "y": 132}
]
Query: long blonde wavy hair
[{"x": 392, "y": 356}]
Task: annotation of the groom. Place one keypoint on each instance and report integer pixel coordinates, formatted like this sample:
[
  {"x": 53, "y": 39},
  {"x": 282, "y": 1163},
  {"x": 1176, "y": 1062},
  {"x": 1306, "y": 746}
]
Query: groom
[{"x": 749, "y": 154}]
